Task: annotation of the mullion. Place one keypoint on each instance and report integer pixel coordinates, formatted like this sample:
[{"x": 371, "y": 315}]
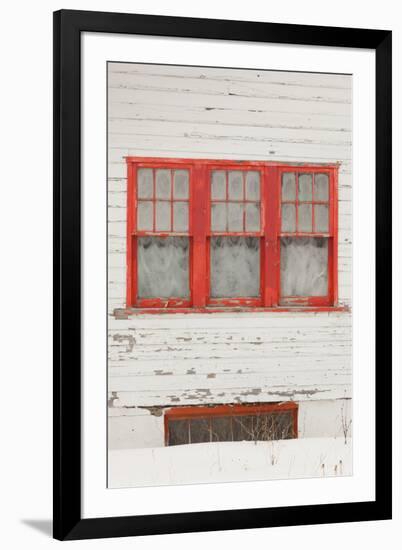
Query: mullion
[
  {"x": 153, "y": 200},
  {"x": 171, "y": 201}
]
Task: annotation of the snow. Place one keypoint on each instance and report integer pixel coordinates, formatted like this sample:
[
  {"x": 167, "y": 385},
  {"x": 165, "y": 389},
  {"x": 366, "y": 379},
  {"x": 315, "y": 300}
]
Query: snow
[{"x": 230, "y": 461}]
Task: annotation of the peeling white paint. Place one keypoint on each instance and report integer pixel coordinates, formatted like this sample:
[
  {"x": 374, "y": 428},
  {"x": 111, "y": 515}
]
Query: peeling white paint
[{"x": 217, "y": 113}]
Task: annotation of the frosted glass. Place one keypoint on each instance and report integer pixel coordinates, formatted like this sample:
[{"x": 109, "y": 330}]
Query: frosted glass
[
  {"x": 252, "y": 216},
  {"x": 305, "y": 187},
  {"x": 180, "y": 216},
  {"x": 305, "y": 218},
  {"x": 162, "y": 216},
  {"x": 235, "y": 267},
  {"x": 321, "y": 187},
  {"x": 218, "y": 185},
  {"x": 163, "y": 184},
  {"x": 321, "y": 218},
  {"x": 180, "y": 184},
  {"x": 253, "y": 186},
  {"x": 304, "y": 266},
  {"x": 235, "y": 216},
  {"x": 163, "y": 267},
  {"x": 144, "y": 216},
  {"x": 218, "y": 216},
  {"x": 289, "y": 186},
  {"x": 235, "y": 179},
  {"x": 288, "y": 218},
  {"x": 145, "y": 183}
]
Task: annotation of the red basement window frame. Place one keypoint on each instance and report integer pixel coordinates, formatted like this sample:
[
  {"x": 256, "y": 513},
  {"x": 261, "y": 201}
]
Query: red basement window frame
[
  {"x": 206, "y": 424},
  {"x": 231, "y": 234}
]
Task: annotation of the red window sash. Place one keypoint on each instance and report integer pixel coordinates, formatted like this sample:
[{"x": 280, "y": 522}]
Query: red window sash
[{"x": 199, "y": 235}]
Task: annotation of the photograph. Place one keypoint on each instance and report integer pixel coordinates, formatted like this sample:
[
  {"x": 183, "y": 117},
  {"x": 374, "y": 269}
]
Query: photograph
[{"x": 229, "y": 275}]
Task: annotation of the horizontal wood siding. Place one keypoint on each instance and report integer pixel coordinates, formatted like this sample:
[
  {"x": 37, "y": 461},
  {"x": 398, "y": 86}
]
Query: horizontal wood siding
[{"x": 220, "y": 113}]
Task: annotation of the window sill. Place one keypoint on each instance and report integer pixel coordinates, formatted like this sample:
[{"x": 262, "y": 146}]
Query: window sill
[{"x": 125, "y": 313}]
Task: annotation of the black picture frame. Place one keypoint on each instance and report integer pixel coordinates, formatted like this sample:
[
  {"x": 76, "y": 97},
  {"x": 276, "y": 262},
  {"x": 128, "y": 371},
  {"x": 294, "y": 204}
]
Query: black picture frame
[{"x": 68, "y": 27}]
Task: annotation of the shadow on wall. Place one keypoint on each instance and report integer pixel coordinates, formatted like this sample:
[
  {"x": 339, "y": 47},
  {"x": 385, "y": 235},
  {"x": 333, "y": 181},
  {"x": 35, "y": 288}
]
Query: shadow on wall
[{"x": 44, "y": 526}]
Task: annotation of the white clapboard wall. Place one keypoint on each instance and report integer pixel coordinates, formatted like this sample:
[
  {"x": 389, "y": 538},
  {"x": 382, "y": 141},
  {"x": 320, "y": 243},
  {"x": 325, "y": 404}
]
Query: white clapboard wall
[{"x": 193, "y": 112}]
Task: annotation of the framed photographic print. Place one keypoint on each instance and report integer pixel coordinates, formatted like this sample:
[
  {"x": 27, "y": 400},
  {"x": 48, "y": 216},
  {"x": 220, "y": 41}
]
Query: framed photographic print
[{"x": 222, "y": 274}]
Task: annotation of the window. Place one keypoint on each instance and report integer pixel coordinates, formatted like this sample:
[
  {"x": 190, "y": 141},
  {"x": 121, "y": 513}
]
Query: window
[
  {"x": 208, "y": 234},
  {"x": 267, "y": 422}
]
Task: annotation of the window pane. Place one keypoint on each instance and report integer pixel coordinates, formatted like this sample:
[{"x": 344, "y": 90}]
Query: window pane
[
  {"x": 305, "y": 218},
  {"x": 304, "y": 266},
  {"x": 236, "y": 185},
  {"x": 243, "y": 428},
  {"x": 218, "y": 185},
  {"x": 288, "y": 218},
  {"x": 163, "y": 184},
  {"x": 163, "y": 267},
  {"x": 288, "y": 186},
  {"x": 180, "y": 184},
  {"x": 253, "y": 186},
  {"x": 221, "y": 427},
  {"x": 235, "y": 216},
  {"x": 321, "y": 218},
  {"x": 180, "y": 216},
  {"x": 252, "y": 216},
  {"x": 144, "y": 216},
  {"x": 305, "y": 187},
  {"x": 218, "y": 216},
  {"x": 273, "y": 426},
  {"x": 235, "y": 267},
  {"x": 178, "y": 432},
  {"x": 145, "y": 183},
  {"x": 162, "y": 216},
  {"x": 321, "y": 187},
  {"x": 283, "y": 425},
  {"x": 200, "y": 431}
]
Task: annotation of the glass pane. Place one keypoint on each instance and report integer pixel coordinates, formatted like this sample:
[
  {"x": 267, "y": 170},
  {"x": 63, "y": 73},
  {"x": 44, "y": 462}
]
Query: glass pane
[
  {"x": 163, "y": 267},
  {"x": 218, "y": 216},
  {"x": 200, "y": 431},
  {"x": 235, "y": 267},
  {"x": 305, "y": 218},
  {"x": 144, "y": 216},
  {"x": 289, "y": 186},
  {"x": 305, "y": 187},
  {"x": 162, "y": 216},
  {"x": 243, "y": 428},
  {"x": 304, "y": 266},
  {"x": 180, "y": 216},
  {"x": 178, "y": 432},
  {"x": 252, "y": 216},
  {"x": 283, "y": 425},
  {"x": 235, "y": 216},
  {"x": 218, "y": 185},
  {"x": 180, "y": 184},
  {"x": 288, "y": 218},
  {"x": 235, "y": 185},
  {"x": 253, "y": 186},
  {"x": 163, "y": 188},
  {"x": 273, "y": 426},
  {"x": 321, "y": 187},
  {"x": 321, "y": 218},
  {"x": 221, "y": 428},
  {"x": 145, "y": 183}
]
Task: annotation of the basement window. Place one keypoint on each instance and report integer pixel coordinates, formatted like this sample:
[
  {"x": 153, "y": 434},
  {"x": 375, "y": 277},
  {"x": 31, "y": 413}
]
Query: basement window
[{"x": 274, "y": 421}]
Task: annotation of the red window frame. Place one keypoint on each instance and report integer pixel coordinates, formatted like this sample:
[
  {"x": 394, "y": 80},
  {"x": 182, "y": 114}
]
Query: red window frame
[
  {"x": 199, "y": 234},
  {"x": 188, "y": 413}
]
